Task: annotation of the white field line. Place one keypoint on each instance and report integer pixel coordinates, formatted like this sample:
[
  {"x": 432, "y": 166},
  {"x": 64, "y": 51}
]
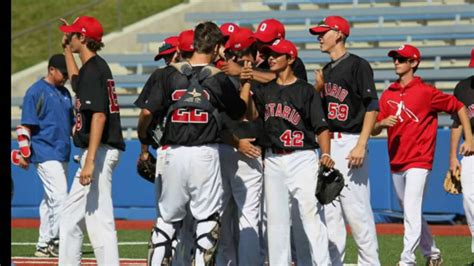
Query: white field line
[{"x": 85, "y": 244}]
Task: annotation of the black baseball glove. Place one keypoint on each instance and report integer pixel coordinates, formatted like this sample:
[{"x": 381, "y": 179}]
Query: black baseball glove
[
  {"x": 147, "y": 168},
  {"x": 330, "y": 184}
]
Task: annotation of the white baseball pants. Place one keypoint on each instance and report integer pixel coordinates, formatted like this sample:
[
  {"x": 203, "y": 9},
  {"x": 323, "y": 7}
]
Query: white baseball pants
[
  {"x": 352, "y": 207},
  {"x": 90, "y": 207},
  {"x": 467, "y": 182},
  {"x": 185, "y": 239},
  {"x": 190, "y": 174},
  {"x": 293, "y": 176},
  {"x": 53, "y": 175},
  {"x": 410, "y": 186},
  {"x": 242, "y": 182}
]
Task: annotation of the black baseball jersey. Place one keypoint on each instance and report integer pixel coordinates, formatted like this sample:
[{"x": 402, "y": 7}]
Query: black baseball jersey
[
  {"x": 298, "y": 68},
  {"x": 194, "y": 127},
  {"x": 95, "y": 92},
  {"x": 348, "y": 92},
  {"x": 292, "y": 115},
  {"x": 245, "y": 129},
  {"x": 464, "y": 92},
  {"x": 149, "y": 88}
]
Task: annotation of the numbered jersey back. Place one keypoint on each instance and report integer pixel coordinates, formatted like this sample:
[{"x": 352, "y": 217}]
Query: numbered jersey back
[{"x": 191, "y": 111}]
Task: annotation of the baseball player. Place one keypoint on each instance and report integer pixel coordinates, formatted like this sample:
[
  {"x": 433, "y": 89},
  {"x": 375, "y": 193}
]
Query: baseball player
[
  {"x": 293, "y": 121},
  {"x": 350, "y": 104},
  {"x": 189, "y": 160},
  {"x": 149, "y": 117},
  {"x": 267, "y": 32},
  {"x": 47, "y": 118},
  {"x": 464, "y": 92},
  {"x": 241, "y": 167},
  {"x": 227, "y": 29},
  {"x": 408, "y": 109},
  {"x": 166, "y": 51},
  {"x": 98, "y": 133}
]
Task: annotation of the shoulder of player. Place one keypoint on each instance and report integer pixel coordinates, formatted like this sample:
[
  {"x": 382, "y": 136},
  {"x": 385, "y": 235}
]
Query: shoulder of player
[
  {"x": 358, "y": 60},
  {"x": 303, "y": 85},
  {"x": 464, "y": 84},
  {"x": 95, "y": 66}
]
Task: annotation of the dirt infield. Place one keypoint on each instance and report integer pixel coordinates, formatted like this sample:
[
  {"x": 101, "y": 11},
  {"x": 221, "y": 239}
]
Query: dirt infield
[
  {"x": 23, "y": 261},
  {"x": 382, "y": 229}
]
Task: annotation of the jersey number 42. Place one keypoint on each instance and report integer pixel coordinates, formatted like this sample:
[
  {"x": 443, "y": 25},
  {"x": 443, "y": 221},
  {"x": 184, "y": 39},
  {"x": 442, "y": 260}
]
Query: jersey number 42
[{"x": 292, "y": 138}]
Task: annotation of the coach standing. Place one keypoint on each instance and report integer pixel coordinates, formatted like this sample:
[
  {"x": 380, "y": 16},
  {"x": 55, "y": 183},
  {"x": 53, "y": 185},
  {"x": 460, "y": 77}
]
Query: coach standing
[{"x": 350, "y": 103}]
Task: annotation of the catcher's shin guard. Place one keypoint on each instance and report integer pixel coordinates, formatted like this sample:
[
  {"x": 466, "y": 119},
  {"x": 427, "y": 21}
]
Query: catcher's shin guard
[
  {"x": 23, "y": 136},
  {"x": 161, "y": 247},
  {"x": 206, "y": 240}
]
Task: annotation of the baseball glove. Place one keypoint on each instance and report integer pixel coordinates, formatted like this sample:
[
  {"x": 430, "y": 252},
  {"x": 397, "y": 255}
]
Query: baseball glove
[
  {"x": 452, "y": 182},
  {"x": 147, "y": 168},
  {"x": 330, "y": 184}
]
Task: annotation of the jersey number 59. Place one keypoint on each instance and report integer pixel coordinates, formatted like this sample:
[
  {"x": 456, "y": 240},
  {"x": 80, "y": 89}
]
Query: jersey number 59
[
  {"x": 292, "y": 138},
  {"x": 338, "y": 111}
]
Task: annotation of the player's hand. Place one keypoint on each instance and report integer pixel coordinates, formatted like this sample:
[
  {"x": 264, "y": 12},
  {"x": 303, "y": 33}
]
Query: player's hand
[
  {"x": 86, "y": 177},
  {"x": 356, "y": 156},
  {"x": 466, "y": 149},
  {"x": 318, "y": 73},
  {"x": 231, "y": 68},
  {"x": 247, "y": 72},
  {"x": 144, "y": 155},
  {"x": 24, "y": 163},
  {"x": 454, "y": 165},
  {"x": 248, "y": 149},
  {"x": 390, "y": 121},
  {"x": 65, "y": 40},
  {"x": 327, "y": 161}
]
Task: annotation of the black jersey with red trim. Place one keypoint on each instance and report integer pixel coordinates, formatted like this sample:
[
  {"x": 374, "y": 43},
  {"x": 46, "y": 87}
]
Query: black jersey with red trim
[
  {"x": 245, "y": 129},
  {"x": 348, "y": 90},
  {"x": 194, "y": 127},
  {"x": 292, "y": 115},
  {"x": 149, "y": 88},
  {"x": 464, "y": 92},
  {"x": 95, "y": 92}
]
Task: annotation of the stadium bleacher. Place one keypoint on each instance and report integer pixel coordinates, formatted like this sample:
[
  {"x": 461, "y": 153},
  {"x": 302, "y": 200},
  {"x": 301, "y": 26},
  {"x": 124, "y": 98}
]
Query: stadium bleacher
[
  {"x": 444, "y": 31},
  {"x": 378, "y": 15},
  {"x": 284, "y": 4}
]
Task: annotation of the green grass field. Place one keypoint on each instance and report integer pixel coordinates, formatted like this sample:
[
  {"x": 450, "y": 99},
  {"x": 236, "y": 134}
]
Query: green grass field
[
  {"x": 455, "y": 250},
  {"x": 33, "y": 48}
]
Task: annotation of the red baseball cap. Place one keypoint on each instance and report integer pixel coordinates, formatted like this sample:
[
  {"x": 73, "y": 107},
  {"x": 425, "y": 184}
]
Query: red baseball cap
[
  {"x": 240, "y": 40},
  {"x": 168, "y": 46},
  {"x": 282, "y": 46},
  {"x": 471, "y": 63},
  {"x": 186, "y": 40},
  {"x": 88, "y": 26},
  {"x": 269, "y": 30},
  {"x": 332, "y": 23},
  {"x": 407, "y": 51},
  {"x": 228, "y": 29}
]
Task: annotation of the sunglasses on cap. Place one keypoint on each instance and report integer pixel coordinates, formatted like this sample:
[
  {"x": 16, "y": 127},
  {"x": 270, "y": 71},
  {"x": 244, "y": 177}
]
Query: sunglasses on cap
[{"x": 400, "y": 59}]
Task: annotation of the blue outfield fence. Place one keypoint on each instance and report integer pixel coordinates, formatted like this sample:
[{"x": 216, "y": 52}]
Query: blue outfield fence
[{"x": 134, "y": 198}]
